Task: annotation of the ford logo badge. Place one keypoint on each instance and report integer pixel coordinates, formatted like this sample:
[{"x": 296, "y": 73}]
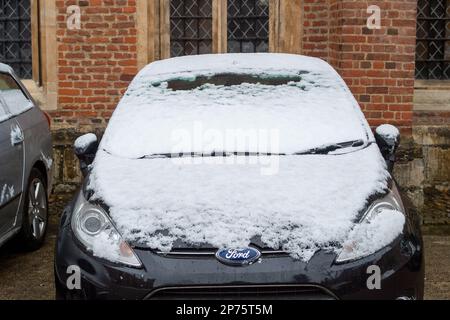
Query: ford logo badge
[{"x": 238, "y": 257}]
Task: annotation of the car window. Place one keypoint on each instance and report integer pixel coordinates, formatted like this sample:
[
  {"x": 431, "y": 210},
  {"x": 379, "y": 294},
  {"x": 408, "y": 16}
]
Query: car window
[
  {"x": 231, "y": 79},
  {"x": 3, "y": 114},
  {"x": 16, "y": 101}
]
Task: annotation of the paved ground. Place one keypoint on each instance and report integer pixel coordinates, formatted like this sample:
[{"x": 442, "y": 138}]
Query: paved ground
[{"x": 30, "y": 275}]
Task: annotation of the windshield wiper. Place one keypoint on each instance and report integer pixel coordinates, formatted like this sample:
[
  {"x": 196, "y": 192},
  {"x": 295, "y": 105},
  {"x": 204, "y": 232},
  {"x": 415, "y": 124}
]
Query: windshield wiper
[
  {"x": 211, "y": 155},
  {"x": 320, "y": 150},
  {"x": 332, "y": 147}
]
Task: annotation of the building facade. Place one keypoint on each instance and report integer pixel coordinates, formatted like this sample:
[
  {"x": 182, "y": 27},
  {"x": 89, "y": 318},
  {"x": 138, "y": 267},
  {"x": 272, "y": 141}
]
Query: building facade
[{"x": 80, "y": 56}]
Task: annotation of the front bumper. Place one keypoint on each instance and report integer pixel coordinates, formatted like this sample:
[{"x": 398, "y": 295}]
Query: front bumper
[{"x": 277, "y": 276}]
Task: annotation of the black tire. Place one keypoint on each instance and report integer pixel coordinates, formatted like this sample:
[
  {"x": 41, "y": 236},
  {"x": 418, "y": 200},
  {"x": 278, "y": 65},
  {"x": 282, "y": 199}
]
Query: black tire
[{"x": 28, "y": 239}]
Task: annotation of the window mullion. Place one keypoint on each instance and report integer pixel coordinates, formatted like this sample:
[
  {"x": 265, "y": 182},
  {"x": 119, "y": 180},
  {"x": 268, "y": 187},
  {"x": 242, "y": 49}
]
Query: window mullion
[{"x": 220, "y": 20}]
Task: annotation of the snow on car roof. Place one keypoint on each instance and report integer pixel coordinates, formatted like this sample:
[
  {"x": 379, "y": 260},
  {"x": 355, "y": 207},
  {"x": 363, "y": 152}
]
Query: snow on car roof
[
  {"x": 5, "y": 68},
  {"x": 318, "y": 109},
  {"x": 232, "y": 63}
]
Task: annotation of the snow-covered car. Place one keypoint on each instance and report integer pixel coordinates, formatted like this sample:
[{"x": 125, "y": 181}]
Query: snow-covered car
[
  {"x": 239, "y": 176},
  {"x": 25, "y": 164}
]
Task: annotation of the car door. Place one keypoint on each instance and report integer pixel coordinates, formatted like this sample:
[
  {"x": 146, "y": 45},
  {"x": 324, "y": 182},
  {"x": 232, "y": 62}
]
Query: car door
[{"x": 11, "y": 162}]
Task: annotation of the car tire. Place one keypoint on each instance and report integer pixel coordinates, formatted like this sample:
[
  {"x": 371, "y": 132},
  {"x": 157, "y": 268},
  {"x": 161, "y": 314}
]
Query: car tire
[{"x": 35, "y": 213}]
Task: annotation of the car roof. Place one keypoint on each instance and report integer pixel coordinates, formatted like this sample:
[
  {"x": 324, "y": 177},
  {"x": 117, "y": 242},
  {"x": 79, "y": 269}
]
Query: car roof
[
  {"x": 5, "y": 68},
  {"x": 252, "y": 63}
]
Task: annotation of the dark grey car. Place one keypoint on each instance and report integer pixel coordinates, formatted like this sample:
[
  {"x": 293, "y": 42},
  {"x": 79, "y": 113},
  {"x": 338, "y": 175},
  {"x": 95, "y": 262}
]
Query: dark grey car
[{"x": 25, "y": 164}]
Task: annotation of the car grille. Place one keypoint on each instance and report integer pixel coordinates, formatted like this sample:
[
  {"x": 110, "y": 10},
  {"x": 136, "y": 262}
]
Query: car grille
[{"x": 272, "y": 292}]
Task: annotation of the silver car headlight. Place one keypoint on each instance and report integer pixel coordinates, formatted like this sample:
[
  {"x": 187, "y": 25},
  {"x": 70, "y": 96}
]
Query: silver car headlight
[
  {"x": 382, "y": 223},
  {"x": 93, "y": 228}
]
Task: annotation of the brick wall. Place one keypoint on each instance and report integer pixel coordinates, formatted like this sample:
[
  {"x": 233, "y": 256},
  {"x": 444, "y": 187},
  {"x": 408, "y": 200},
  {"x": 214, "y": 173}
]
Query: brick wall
[
  {"x": 316, "y": 26},
  {"x": 378, "y": 65},
  {"x": 96, "y": 63}
]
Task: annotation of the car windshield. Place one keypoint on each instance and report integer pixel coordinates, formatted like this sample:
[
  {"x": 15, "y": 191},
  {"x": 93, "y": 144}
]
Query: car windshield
[
  {"x": 231, "y": 79},
  {"x": 320, "y": 150},
  {"x": 254, "y": 112}
]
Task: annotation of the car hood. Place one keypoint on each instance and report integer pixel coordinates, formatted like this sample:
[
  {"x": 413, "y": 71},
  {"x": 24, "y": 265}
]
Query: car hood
[{"x": 309, "y": 202}]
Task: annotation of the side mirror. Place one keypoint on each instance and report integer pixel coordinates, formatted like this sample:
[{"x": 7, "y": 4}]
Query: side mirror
[
  {"x": 85, "y": 148},
  {"x": 388, "y": 140}
]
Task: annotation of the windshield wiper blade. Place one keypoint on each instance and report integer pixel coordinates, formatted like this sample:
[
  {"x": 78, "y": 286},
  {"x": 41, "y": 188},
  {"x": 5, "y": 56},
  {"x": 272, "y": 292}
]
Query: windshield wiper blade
[
  {"x": 320, "y": 150},
  {"x": 332, "y": 147},
  {"x": 212, "y": 154}
]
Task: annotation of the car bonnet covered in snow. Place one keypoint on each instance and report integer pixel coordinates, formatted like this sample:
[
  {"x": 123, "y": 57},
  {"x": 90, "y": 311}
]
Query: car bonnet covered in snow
[{"x": 311, "y": 202}]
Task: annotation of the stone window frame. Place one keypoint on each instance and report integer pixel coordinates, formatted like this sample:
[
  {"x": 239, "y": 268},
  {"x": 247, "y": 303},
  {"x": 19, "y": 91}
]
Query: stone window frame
[
  {"x": 153, "y": 20},
  {"x": 43, "y": 85}
]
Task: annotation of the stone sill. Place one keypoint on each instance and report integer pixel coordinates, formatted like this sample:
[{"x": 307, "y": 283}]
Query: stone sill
[
  {"x": 36, "y": 92},
  {"x": 432, "y": 84},
  {"x": 46, "y": 101},
  {"x": 432, "y": 95}
]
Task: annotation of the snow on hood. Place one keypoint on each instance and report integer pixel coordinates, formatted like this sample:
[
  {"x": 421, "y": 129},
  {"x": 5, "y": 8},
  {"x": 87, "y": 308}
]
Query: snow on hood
[
  {"x": 153, "y": 119},
  {"x": 313, "y": 202}
]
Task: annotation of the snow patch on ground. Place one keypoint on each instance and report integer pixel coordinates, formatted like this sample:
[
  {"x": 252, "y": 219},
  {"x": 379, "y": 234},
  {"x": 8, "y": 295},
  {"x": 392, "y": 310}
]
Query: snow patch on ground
[{"x": 312, "y": 203}]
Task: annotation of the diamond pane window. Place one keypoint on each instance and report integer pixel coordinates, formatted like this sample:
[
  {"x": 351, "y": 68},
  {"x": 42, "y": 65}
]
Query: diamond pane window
[
  {"x": 15, "y": 36},
  {"x": 190, "y": 27},
  {"x": 433, "y": 40},
  {"x": 248, "y": 26}
]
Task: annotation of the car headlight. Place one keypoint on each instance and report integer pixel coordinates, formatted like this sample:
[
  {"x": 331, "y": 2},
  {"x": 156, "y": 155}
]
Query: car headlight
[
  {"x": 93, "y": 228},
  {"x": 382, "y": 223}
]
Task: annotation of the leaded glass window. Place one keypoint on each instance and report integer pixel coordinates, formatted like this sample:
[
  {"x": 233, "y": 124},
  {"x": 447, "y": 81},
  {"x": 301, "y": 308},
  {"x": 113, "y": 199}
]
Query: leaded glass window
[
  {"x": 15, "y": 36},
  {"x": 433, "y": 40},
  {"x": 248, "y": 26},
  {"x": 190, "y": 27}
]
